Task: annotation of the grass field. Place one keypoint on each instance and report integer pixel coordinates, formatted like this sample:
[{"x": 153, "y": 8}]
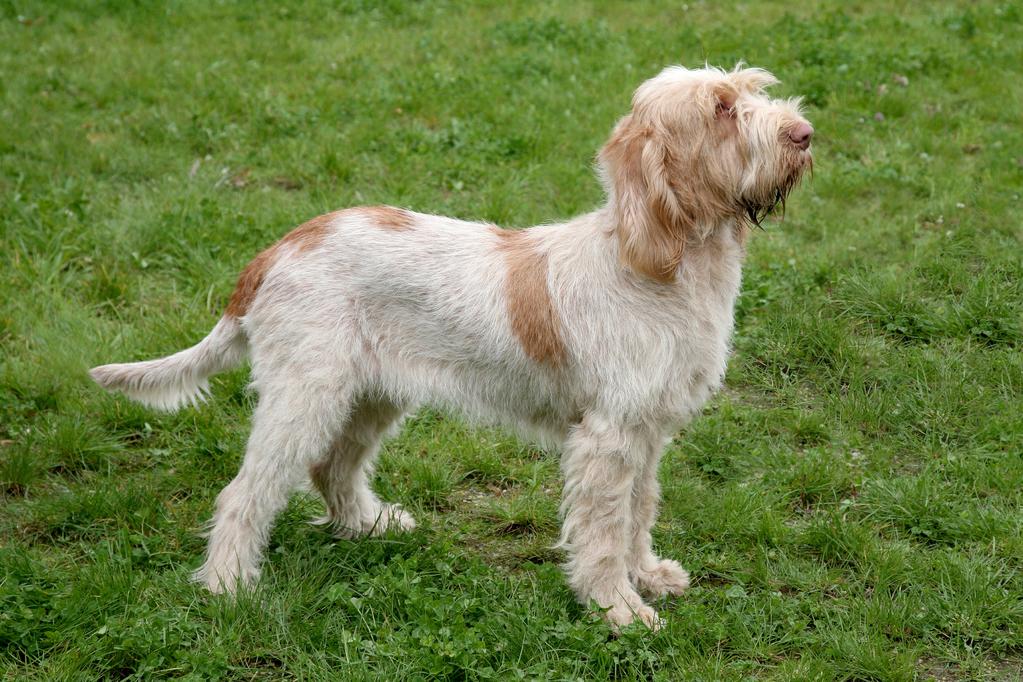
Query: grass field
[{"x": 851, "y": 506}]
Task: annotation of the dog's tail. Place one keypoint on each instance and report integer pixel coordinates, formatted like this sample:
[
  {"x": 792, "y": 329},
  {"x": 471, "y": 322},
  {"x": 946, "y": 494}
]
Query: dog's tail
[{"x": 179, "y": 379}]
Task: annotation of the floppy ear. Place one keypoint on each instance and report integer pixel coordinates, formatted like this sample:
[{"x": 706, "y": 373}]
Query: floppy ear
[{"x": 651, "y": 223}]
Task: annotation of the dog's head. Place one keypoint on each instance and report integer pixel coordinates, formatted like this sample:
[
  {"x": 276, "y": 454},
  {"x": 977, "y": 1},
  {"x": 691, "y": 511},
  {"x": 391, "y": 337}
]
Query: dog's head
[{"x": 699, "y": 147}]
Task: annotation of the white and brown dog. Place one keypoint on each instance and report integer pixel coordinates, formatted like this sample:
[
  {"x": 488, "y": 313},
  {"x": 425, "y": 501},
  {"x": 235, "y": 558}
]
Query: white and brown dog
[{"x": 604, "y": 334}]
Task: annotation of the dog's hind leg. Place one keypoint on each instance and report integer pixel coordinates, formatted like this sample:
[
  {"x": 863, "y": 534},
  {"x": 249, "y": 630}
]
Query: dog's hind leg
[
  {"x": 343, "y": 475},
  {"x": 294, "y": 424}
]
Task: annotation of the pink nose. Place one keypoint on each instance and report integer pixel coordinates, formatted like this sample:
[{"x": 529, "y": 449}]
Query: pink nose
[{"x": 801, "y": 134}]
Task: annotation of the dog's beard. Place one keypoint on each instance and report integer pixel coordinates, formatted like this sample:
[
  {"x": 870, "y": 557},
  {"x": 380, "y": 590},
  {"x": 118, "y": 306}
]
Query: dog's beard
[{"x": 757, "y": 210}]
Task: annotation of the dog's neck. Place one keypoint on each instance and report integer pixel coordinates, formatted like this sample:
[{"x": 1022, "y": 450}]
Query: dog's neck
[
  {"x": 715, "y": 249},
  {"x": 590, "y": 243}
]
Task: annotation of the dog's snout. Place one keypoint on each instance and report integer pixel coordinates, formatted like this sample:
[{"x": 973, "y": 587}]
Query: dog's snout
[{"x": 801, "y": 134}]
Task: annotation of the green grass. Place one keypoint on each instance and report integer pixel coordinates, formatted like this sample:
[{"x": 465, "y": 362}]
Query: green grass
[{"x": 850, "y": 506}]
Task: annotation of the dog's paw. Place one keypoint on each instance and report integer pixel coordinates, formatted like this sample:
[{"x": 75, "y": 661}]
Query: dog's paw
[
  {"x": 397, "y": 519},
  {"x": 621, "y": 606},
  {"x": 224, "y": 579},
  {"x": 388, "y": 517},
  {"x": 664, "y": 578},
  {"x": 621, "y": 615}
]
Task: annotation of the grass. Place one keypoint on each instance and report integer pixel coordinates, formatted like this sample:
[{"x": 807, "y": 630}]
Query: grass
[{"x": 850, "y": 506}]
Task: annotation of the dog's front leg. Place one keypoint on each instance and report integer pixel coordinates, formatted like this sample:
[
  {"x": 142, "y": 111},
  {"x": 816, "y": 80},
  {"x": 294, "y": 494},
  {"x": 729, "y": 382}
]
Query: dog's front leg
[
  {"x": 654, "y": 576},
  {"x": 601, "y": 463}
]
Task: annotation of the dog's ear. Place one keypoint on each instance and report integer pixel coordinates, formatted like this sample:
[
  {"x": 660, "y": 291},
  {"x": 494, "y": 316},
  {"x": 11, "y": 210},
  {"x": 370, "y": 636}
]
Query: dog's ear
[
  {"x": 751, "y": 79},
  {"x": 725, "y": 95},
  {"x": 651, "y": 222}
]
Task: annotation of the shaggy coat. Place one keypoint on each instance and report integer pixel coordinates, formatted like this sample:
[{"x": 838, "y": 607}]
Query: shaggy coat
[{"x": 602, "y": 335}]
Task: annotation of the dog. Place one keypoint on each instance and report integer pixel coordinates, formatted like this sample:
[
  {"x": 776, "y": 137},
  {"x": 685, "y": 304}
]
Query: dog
[{"x": 604, "y": 335}]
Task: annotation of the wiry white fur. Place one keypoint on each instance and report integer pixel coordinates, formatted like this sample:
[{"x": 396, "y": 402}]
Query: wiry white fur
[
  {"x": 180, "y": 379},
  {"x": 348, "y": 336}
]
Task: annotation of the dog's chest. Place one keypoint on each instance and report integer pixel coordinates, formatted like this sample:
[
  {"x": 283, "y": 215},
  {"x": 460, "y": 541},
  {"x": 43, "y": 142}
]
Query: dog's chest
[{"x": 700, "y": 338}]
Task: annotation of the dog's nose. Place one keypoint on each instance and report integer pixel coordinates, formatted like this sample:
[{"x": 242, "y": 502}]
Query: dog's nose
[{"x": 801, "y": 134}]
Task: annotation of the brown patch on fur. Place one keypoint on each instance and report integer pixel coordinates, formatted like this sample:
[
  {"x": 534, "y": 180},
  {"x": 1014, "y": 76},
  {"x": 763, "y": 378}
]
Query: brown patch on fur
[
  {"x": 302, "y": 238},
  {"x": 669, "y": 188},
  {"x": 530, "y": 309},
  {"x": 651, "y": 230},
  {"x": 306, "y": 236},
  {"x": 389, "y": 217}
]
